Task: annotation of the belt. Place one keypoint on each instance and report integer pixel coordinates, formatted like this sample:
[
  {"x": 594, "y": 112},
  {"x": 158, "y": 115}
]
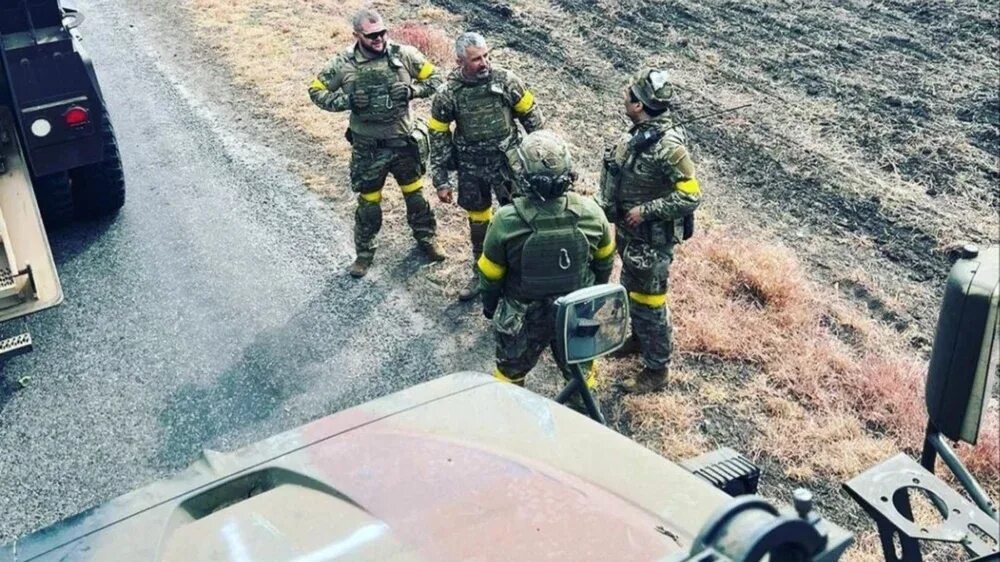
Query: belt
[{"x": 399, "y": 142}]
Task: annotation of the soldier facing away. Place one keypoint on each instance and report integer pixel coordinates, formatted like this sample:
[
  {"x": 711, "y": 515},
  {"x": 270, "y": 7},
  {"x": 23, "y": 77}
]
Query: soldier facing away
[
  {"x": 649, "y": 191},
  {"x": 375, "y": 80},
  {"x": 485, "y": 103},
  {"x": 546, "y": 244}
]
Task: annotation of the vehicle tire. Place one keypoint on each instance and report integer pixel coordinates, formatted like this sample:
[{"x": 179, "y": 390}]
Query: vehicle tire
[
  {"x": 54, "y": 195},
  {"x": 99, "y": 189}
]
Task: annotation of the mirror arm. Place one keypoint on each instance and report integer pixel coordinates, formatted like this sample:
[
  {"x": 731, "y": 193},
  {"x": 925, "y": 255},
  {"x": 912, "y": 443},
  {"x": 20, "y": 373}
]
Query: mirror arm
[
  {"x": 578, "y": 385},
  {"x": 935, "y": 445}
]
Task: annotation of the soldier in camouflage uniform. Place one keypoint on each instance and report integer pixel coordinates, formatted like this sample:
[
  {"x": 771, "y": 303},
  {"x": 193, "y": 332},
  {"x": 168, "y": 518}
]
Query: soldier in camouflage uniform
[
  {"x": 485, "y": 103},
  {"x": 375, "y": 80},
  {"x": 548, "y": 243},
  {"x": 649, "y": 191}
]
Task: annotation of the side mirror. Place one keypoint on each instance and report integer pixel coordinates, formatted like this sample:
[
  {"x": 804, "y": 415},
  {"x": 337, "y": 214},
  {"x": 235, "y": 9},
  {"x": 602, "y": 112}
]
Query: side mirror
[
  {"x": 966, "y": 347},
  {"x": 591, "y": 322}
]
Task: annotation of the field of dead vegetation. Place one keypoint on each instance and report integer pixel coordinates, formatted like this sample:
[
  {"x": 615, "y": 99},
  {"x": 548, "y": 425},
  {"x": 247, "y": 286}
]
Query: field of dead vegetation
[{"x": 805, "y": 307}]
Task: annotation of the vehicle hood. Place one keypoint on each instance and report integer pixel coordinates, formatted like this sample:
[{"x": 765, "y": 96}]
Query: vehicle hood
[{"x": 460, "y": 468}]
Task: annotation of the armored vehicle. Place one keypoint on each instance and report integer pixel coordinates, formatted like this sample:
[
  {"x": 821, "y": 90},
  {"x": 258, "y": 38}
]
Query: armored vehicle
[{"x": 58, "y": 154}]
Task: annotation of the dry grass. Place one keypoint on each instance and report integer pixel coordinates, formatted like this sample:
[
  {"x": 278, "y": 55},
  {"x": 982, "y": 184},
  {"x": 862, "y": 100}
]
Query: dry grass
[{"x": 837, "y": 394}]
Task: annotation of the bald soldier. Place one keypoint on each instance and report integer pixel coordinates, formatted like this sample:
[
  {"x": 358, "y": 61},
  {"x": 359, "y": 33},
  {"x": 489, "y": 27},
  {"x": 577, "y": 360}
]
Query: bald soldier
[
  {"x": 649, "y": 191},
  {"x": 485, "y": 103},
  {"x": 375, "y": 80}
]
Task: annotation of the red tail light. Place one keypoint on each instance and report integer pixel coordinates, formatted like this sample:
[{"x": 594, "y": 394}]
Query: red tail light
[{"x": 76, "y": 116}]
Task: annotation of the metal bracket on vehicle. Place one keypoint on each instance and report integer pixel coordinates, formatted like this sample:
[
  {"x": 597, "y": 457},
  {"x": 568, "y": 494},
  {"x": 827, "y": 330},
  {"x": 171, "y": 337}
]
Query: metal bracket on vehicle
[
  {"x": 751, "y": 529},
  {"x": 883, "y": 491}
]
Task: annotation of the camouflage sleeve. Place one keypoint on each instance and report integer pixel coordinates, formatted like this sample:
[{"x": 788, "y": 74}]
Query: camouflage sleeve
[
  {"x": 442, "y": 149},
  {"x": 523, "y": 104},
  {"x": 678, "y": 169},
  {"x": 426, "y": 77},
  {"x": 595, "y": 226},
  {"x": 325, "y": 90}
]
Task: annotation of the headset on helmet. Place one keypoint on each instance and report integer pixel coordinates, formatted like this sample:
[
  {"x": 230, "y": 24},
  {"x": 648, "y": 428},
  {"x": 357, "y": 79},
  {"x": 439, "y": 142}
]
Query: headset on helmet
[{"x": 542, "y": 165}]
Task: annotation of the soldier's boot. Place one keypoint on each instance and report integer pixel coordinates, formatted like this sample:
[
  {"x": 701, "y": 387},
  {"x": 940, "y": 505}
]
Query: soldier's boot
[
  {"x": 433, "y": 250},
  {"x": 477, "y": 233},
  {"x": 648, "y": 380},
  {"x": 421, "y": 220},
  {"x": 360, "y": 267},
  {"x": 631, "y": 347}
]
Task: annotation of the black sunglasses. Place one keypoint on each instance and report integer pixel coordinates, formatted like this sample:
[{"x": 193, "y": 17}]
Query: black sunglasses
[{"x": 374, "y": 35}]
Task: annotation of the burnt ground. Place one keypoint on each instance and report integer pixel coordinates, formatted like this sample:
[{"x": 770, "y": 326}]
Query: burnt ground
[{"x": 871, "y": 144}]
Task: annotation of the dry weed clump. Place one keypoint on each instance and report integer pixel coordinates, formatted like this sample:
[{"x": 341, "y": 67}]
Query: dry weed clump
[
  {"x": 837, "y": 396},
  {"x": 431, "y": 41}
]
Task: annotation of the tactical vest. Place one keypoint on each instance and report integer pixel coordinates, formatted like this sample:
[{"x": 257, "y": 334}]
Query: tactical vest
[
  {"x": 374, "y": 77},
  {"x": 555, "y": 258},
  {"x": 483, "y": 116}
]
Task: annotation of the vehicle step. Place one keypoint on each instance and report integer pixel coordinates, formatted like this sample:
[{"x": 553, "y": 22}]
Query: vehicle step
[
  {"x": 16, "y": 345},
  {"x": 8, "y": 285}
]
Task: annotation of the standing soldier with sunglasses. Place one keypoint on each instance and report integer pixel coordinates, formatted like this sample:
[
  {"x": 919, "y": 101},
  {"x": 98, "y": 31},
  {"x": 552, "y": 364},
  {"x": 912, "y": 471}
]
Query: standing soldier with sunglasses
[
  {"x": 485, "y": 103},
  {"x": 375, "y": 80}
]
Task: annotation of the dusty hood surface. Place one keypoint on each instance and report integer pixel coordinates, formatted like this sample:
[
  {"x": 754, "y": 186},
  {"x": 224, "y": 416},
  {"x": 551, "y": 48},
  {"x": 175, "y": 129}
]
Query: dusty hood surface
[{"x": 460, "y": 468}]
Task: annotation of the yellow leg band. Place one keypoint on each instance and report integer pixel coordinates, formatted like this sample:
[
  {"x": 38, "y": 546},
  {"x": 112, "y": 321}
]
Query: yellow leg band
[
  {"x": 498, "y": 375},
  {"x": 317, "y": 85},
  {"x": 481, "y": 216},
  {"x": 411, "y": 187},
  {"x": 652, "y": 301},
  {"x": 591, "y": 379},
  {"x": 437, "y": 126},
  {"x": 373, "y": 197}
]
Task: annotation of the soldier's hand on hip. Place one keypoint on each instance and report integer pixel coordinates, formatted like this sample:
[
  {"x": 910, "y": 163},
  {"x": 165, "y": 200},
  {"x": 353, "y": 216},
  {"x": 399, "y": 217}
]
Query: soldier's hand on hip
[
  {"x": 634, "y": 217},
  {"x": 400, "y": 92},
  {"x": 360, "y": 100},
  {"x": 444, "y": 194}
]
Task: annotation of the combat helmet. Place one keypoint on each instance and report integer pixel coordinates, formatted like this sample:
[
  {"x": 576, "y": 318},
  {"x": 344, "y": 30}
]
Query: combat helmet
[
  {"x": 652, "y": 87},
  {"x": 542, "y": 165}
]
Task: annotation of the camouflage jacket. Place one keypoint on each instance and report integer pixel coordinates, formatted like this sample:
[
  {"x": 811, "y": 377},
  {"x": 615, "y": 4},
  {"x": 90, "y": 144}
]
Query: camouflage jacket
[
  {"x": 649, "y": 168},
  {"x": 484, "y": 112},
  {"x": 348, "y": 72},
  {"x": 501, "y": 266}
]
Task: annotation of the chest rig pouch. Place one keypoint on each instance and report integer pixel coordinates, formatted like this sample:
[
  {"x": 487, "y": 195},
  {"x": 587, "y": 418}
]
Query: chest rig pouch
[
  {"x": 554, "y": 258},
  {"x": 483, "y": 115},
  {"x": 374, "y": 78}
]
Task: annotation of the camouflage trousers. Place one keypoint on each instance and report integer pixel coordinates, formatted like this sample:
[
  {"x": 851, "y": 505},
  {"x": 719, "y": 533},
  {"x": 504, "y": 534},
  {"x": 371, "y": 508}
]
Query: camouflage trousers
[
  {"x": 370, "y": 166},
  {"x": 479, "y": 180},
  {"x": 523, "y": 330},
  {"x": 645, "y": 275}
]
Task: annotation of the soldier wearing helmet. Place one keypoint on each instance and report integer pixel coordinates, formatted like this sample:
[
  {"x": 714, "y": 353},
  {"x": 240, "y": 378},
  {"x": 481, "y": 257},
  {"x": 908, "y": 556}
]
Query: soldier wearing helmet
[
  {"x": 649, "y": 191},
  {"x": 375, "y": 80},
  {"x": 546, "y": 244},
  {"x": 486, "y": 104}
]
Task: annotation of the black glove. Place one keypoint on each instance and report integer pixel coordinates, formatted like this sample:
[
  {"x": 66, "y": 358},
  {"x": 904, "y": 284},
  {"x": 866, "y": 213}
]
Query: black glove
[
  {"x": 360, "y": 100},
  {"x": 400, "y": 92},
  {"x": 489, "y": 311}
]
